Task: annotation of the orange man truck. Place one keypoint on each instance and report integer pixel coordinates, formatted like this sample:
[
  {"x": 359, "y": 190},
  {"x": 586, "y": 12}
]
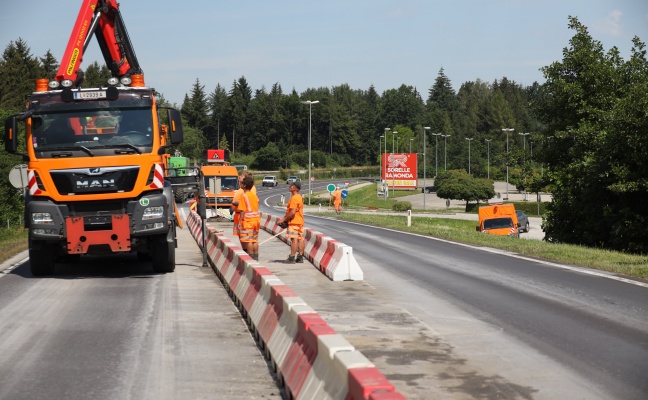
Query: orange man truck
[
  {"x": 96, "y": 156},
  {"x": 498, "y": 219}
]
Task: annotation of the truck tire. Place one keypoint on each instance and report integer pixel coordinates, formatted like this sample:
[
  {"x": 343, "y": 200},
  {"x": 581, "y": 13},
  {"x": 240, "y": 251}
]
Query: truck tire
[
  {"x": 163, "y": 254},
  {"x": 41, "y": 258},
  {"x": 180, "y": 196}
]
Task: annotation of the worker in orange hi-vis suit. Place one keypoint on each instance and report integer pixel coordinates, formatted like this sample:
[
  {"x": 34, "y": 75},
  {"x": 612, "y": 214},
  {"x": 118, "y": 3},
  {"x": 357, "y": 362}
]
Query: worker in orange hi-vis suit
[
  {"x": 235, "y": 202},
  {"x": 250, "y": 221},
  {"x": 295, "y": 219},
  {"x": 337, "y": 199}
]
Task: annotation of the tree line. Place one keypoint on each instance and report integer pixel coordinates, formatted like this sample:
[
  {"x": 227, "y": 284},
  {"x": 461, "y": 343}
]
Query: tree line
[{"x": 581, "y": 134}]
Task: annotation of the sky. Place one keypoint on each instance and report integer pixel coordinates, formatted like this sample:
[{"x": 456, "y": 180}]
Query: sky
[{"x": 308, "y": 44}]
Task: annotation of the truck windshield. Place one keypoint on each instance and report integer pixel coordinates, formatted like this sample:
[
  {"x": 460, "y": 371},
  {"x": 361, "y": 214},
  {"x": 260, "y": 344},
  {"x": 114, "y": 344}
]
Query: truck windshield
[
  {"x": 498, "y": 223},
  {"x": 92, "y": 129},
  {"x": 227, "y": 182}
]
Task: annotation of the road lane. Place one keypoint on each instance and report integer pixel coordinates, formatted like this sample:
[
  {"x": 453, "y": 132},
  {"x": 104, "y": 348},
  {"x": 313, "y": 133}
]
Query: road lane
[{"x": 110, "y": 328}]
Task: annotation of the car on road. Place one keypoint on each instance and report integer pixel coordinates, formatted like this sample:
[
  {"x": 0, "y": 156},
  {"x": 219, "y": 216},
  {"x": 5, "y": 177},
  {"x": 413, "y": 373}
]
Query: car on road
[
  {"x": 292, "y": 179},
  {"x": 523, "y": 221},
  {"x": 429, "y": 189},
  {"x": 269, "y": 180}
]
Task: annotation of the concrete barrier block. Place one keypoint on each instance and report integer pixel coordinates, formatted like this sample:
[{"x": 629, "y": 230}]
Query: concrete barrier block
[{"x": 365, "y": 381}]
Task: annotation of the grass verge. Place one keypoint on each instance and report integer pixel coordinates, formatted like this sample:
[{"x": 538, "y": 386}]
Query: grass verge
[{"x": 12, "y": 242}]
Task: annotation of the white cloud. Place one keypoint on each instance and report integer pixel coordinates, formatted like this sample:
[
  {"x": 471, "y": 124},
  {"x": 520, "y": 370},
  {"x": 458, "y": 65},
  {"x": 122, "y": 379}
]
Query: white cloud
[{"x": 611, "y": 24}]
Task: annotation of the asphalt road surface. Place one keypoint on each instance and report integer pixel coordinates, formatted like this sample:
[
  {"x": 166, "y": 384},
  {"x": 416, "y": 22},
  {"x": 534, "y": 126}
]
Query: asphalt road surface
[{"x": 110, "y": 328}]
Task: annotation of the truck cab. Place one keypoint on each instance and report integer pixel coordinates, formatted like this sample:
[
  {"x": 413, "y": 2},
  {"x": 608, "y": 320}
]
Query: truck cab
[{"x": 222, "y": 195}]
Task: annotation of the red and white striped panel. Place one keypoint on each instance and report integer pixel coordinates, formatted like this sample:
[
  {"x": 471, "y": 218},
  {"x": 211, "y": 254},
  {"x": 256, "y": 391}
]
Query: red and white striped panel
[
  {"x": 33, "y": 185},
  {"x": 158, "y": 177}
]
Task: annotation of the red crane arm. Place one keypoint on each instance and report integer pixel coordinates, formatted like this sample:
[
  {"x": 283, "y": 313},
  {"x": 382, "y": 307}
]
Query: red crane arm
[{"x": 103, "y": 18}]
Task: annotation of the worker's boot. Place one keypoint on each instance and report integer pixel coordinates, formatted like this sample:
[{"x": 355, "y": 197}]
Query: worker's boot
[
  {"x": 299, "y": 258},
  {"x": 290, "y": 260}
]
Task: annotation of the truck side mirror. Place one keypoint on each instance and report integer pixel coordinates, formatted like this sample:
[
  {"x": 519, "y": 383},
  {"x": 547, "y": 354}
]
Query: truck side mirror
[
  {"x": 175, "y": 126},
  {"x": 11, "y": 134}
]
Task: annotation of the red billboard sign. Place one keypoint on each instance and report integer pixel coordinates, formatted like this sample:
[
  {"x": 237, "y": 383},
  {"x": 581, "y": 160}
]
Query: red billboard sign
[{"x": 400, "y": 170}]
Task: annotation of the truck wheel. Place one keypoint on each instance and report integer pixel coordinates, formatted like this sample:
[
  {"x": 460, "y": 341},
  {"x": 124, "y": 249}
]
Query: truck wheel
[
  {"x": 180, "y": 196},
  {"x": 163, "y": 254},
  {"x": 41, "y": 258}
]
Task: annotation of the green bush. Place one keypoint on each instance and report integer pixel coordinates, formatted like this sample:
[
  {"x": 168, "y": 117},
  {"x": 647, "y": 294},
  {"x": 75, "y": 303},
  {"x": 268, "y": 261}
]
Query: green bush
[
  {"x": 530, "y": 208},
  {"x": 315, "y": 201},
  {"x": 402, "y": 206}
]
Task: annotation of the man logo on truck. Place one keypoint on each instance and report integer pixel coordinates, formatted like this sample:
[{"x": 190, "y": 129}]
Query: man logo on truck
[{"x": 105, "y": 183}]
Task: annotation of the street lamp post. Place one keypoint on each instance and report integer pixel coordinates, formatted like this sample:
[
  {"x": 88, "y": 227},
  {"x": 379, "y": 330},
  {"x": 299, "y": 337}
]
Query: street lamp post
[
  {"x": 411, "y": 145},
  {"x": 524, "y": 135},
  {"x": 426, "y": 128},
  {"x": 488, "y": 152},
  {"x": 445, "y": 151},
  {"x": 392, "y": 153},
  {"x": 436, "y": 156},
  {"x": 381, "y": 172},
  {"x": 507, "y": 130},
  {"x": 380, "y": 153},
  {"x": 310, "y": 114},
  {"x": 469, "y": 140}
]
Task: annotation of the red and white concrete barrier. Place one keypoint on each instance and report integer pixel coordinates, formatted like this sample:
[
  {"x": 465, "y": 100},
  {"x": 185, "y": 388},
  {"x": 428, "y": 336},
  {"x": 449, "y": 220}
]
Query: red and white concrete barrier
[
  {"x": 195, "y": 226},
  {"x": 311, "y": 359},
  {"x": 334, "y": 259}
]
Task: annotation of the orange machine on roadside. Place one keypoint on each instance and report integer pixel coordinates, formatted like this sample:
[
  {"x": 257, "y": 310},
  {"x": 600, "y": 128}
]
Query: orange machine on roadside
[
  {"x": 498, "y": 219},
  {"x": 97, "y": 156}
]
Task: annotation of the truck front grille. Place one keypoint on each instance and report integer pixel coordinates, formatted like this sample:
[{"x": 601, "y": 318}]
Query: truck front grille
[{"x": 95, "y": 180}]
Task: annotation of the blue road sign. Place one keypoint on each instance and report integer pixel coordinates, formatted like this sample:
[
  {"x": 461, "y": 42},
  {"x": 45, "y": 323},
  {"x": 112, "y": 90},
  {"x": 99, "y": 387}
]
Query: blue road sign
[{"x": 345, "y": 193}]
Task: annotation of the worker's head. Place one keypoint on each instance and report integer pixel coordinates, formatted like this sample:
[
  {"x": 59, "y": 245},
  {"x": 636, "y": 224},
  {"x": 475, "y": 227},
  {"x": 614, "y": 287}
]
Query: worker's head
[
  {"x": 59, "y": 131},
  {"x": 296, "y": 185},
  {"x": 248, "y": 182}
]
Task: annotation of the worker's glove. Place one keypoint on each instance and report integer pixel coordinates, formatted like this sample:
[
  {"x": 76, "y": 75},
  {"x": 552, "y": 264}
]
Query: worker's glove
[{"x": 283, "y": 225}]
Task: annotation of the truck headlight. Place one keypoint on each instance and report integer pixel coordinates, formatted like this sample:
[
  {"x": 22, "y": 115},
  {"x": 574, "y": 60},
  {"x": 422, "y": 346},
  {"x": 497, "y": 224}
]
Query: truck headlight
[
  {"x": 153, "y": 212},
  {"x": 42, "y": 218}
]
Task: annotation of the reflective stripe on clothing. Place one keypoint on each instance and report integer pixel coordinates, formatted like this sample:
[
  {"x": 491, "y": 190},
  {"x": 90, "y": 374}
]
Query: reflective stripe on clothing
[
  {"x": 250, "y": 221},
  {"x": 249, "y": 231},
  {"x": 237, "y": 216},
  {"x": 295, "y": 232}
]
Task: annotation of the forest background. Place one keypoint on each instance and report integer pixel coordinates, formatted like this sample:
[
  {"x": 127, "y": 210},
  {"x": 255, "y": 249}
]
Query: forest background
[{"x": 582, "y": 134}]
